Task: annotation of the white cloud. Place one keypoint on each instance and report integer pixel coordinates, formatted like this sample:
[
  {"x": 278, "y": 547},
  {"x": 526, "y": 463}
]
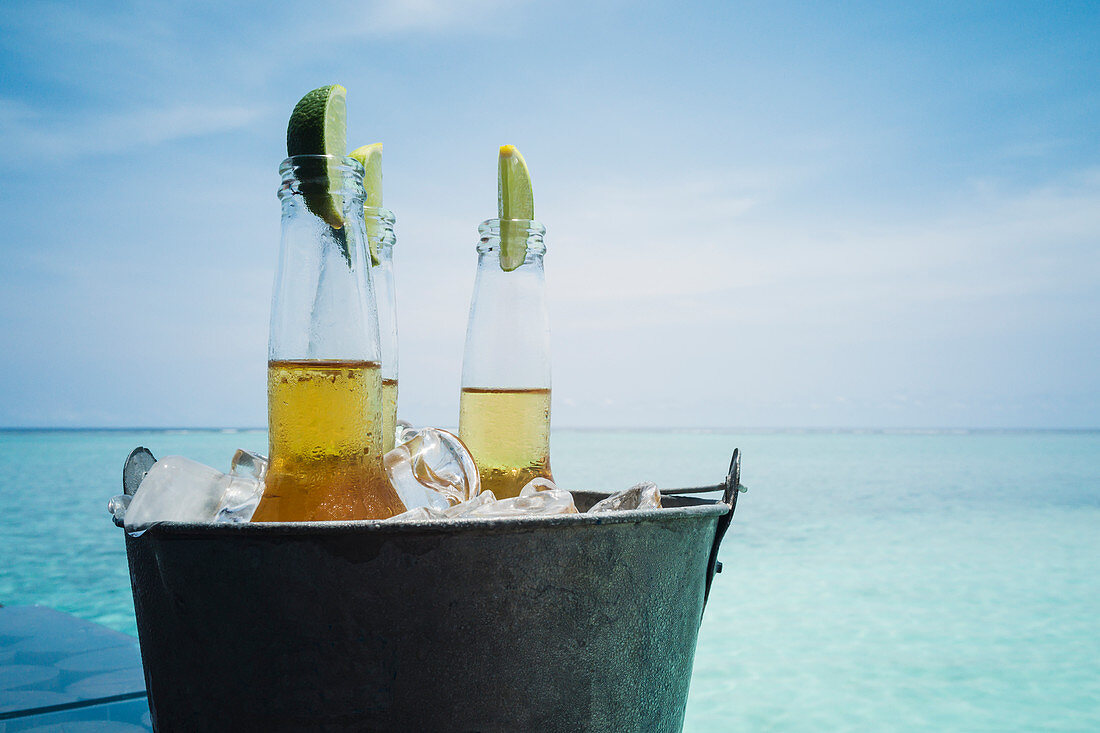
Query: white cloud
[
  {"x": 29, "y": 134},
  {"x": 704, "y": 252},
  {"x": 404, "y": 15},
  {"x": 386, "y": 17}
]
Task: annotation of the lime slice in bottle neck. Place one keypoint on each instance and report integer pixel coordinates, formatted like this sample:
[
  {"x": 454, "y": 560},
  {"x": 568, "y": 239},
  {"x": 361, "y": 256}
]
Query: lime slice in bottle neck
[
  {"x": 318, "y": 126},
  {"x": 371, "y": 158},
  {"x": 515, "y": 206}
]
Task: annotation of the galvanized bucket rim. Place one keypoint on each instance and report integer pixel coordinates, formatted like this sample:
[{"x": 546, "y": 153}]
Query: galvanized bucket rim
[{"x": 482, "y": 524}]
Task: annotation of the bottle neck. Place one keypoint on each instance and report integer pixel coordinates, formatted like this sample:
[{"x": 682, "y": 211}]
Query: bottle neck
[
  {"x": 508, "y": 332},
  {"x": 512, "y": 243},
  {"x": 323, "y": 304},
  {"x": 380, "y": 233}
]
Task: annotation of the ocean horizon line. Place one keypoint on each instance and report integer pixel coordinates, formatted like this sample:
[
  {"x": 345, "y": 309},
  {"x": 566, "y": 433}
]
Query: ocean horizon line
[{"x": 792, "y": 430}]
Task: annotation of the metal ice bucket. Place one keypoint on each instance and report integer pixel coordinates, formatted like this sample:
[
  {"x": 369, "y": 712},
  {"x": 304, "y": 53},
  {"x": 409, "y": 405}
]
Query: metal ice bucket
[{"x": 565, "y": 623}]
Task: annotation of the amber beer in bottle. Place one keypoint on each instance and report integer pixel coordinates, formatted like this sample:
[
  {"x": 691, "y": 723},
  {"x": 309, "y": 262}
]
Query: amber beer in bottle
[
  {"x": 380, "y": 228},
  {"x": 324, "y": 375},
  {"x": 504, "y": 411},
  {"x": 381, "y": 238}
]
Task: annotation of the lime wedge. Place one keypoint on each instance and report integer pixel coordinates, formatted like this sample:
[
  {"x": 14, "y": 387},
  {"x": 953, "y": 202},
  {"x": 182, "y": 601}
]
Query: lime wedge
[
  {"x": 319, "y": 126},
  {"x": 514, "y": 201},
  {"x": 371, "y": 158}
]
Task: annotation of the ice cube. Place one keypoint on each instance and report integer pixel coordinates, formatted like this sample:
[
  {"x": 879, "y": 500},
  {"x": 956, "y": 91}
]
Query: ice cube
[
  {"x": 244, "y": 489},
  {"x": 247, "y": 463},
  {"x": 117, "y": 506},
  {"x": 640, "y": 496},
  {"x": 538, "y": 484},
  {"x": 542, "y": 496},
  {"x": 539, "y": 497},
  {"x": 177, "y": 489},
  {"x": 431, "y": 468},
  {"x": 461, "y": 510},
  {"x": 419, "y": 514},
  {"x": 458, "y": 510}
]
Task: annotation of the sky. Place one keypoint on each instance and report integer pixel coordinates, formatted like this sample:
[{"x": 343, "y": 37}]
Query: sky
[{"x": 759, "y": 215}]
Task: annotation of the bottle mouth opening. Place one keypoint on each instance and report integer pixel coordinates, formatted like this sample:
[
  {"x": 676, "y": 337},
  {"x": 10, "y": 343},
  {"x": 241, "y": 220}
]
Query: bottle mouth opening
[
  {"x": 531, "y": 226},
  {"x": 346, "y": 164},
  {"x": 532, "y": 229},
  {"x": 316, "y": 174}
]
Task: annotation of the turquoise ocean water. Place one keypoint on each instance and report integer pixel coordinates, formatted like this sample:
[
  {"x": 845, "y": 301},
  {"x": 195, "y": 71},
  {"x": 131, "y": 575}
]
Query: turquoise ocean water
[{"x": 873, "y": 581}]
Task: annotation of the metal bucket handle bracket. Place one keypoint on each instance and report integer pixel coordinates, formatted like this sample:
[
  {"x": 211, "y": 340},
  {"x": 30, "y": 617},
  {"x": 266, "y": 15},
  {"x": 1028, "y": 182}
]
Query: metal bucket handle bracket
[
  {"x": 137, "y": 465},
  {"x": 731, "y": 487}
]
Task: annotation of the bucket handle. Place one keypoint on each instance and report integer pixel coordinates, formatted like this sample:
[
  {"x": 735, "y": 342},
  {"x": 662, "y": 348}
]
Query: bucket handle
[{"x": 730, "y": 488}]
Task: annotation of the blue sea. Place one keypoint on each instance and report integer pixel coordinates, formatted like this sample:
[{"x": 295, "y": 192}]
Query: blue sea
[{"x": 920, "y": 581}]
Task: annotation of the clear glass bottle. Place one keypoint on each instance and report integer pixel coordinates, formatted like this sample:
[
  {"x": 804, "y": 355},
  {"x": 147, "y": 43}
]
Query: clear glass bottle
[
  {"x": 379, "y": 223},
  {"x": 324, "y": 379},
  {"x": 504, "y": 414}
]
